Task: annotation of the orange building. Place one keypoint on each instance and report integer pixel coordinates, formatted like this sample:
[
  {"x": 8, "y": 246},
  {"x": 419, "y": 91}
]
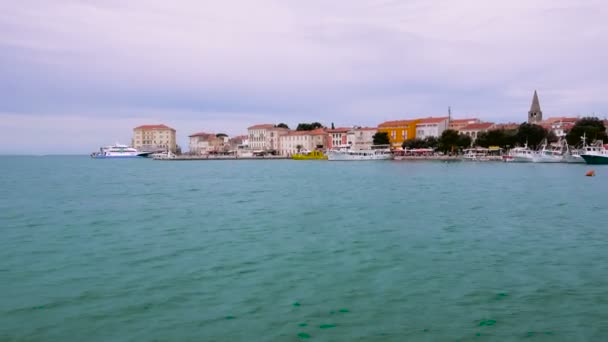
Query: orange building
[{"x": 399, "y": 131}]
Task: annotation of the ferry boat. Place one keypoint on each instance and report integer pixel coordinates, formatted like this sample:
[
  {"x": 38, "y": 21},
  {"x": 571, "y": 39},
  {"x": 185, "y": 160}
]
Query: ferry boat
[
  {"x": 595, "y": 154},
  {"x": 118, "y": 151},
  {"x": 371, "y": 154},
  {"x": 309, "y": 155}
]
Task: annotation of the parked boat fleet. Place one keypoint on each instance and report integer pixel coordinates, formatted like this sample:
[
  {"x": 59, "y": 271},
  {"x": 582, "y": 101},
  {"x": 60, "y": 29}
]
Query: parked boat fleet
[{"x": 596, "y": 153}]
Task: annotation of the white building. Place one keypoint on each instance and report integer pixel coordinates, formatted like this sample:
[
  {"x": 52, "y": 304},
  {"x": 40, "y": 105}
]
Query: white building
[
  {"x": 295, "y": 141},
  {"x": 265, "y": 137},
  {"x": 361, "y": 138},
  {"x": 431, "y": 127}
]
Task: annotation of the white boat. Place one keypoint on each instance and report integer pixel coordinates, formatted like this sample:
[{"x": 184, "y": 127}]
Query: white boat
[
  {"x": 118, "y": 151},
  {"x": 520, "y": 155},
  {"x": 482, "y": 154},
  {"x": 348, "y": 154},
  {"x": 548, "y": 155}
]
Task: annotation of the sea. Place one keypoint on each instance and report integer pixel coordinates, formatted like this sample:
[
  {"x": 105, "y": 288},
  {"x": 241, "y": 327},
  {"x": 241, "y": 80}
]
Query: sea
[{"x": 283, "y": 250}]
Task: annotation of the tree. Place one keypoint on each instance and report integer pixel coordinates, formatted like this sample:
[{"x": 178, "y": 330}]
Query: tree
[
  {"x": 299, "y": 147},
  {"x": 593, "y": 129},
  {"x": 531, "y": 134},
  {"x": 449, "y": 141},
  {"x": 308, "y": 126},
  {"x": 431, "y": 142},
  {"x": 282, "y": 125},
  {"x": 413, "y": 143},
  {"x": 464, "y": 141},
  {"x": 381, "y": 138}
]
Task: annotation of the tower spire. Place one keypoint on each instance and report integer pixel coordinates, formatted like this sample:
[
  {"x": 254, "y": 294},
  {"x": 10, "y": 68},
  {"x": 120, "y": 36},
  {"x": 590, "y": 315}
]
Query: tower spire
[{"x": 535, "y": 115}]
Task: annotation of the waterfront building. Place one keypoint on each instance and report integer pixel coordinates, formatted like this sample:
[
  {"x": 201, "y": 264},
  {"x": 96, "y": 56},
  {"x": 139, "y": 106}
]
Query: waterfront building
[
  {"x": 154, "y": 138},
  {"x": 560, "y": 126},
  {"x": 361, "y": 138},
  {"x": 399, "y": 131},
  {"x": 337, "y": 137},
  {"x": 205, "y": 143},
  {"x": 474, "y": 129},
  {"x": 265, "y": 137},
  {"x": 457, "y": 124},
  {"x": 535, "y": 115},
  {"x": 431, "y": 127},
  {"x": 294, "y": 141}
]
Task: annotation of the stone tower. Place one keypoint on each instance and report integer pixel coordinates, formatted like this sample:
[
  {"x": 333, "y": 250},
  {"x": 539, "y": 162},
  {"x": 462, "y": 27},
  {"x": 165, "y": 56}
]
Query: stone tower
[{"x": 535, "y": 115}]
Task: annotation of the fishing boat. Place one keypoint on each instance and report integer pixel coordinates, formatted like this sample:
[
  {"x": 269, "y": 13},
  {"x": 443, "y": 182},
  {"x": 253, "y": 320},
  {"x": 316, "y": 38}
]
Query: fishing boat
[
  {"x": 595, "y": 154},
  {"x": 548, "y": 154},
  {"x": 118, "y": 151},
  {"x": 493, "y": 153},
  {"x": 346, "y": 154},
  {"x": 309, "y": 155},
  {"x": 520, "y": 155}
]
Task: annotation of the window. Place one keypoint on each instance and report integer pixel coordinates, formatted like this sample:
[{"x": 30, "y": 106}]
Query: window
[{"x": 393, "y": 134}]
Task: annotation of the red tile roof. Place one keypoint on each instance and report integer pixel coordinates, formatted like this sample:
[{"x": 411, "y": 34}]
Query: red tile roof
[
  {"x": 339, "y": 130},
  {"x": 365, "y": 128},
  {"x": 432, "y": 120},
  {"x": 261, "y": 126},
  {"x": 478, "y": 126},
  {"x": 154, "y": 127},
  {"x": 507, "y": 126},
  {"x": 395, "y": 123},
  {"x": 560, "y": 119}
]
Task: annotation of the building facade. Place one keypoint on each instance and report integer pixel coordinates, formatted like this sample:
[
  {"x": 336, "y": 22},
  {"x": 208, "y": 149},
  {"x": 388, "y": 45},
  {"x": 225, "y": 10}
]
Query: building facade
[
  {"x": 296, "y": 141},
  {"x": 559, "y": 126},
  {"x": 203, "y": 143},
  {"x": 399, "y": 131},
  {"x": 473, "y": 130},
  {"x": 154, "y": 138},
  {"x": 361, "y": 138},
  {"x": 265, "y": 137},
  {"x": 431, "y": 127},
  {"x": 337, "y": 137}
]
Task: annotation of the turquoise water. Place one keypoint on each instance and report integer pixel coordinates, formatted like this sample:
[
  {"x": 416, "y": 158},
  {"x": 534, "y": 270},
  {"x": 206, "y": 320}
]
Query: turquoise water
[{"x": 140, "y": 250}]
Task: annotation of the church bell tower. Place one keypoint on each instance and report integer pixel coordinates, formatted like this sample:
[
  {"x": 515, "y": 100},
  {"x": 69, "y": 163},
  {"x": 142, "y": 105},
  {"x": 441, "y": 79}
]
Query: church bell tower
[{"x": 535, "y": 115}]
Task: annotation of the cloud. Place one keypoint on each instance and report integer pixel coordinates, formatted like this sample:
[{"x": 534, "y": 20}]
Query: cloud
[{"x": 270, "y": 61}]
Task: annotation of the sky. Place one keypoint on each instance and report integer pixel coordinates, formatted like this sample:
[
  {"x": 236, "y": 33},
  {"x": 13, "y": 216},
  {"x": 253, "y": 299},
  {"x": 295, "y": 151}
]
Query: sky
[{"x": 79, "y": 74}]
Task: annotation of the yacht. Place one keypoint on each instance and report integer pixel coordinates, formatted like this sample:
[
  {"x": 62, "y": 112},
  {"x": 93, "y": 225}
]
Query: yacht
[
  {"x": 118, "y": 151},
  {"x": 371, "y": 154}
]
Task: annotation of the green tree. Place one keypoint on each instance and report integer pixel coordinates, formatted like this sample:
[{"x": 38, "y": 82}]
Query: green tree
[
  {"x": 299, "y": 148},
  {"x": 413, "y": 143},
  {"x": 431, "y": 142},
  {"x": 282, "y": 125},
  {"x": 464, "y": 141},
  {"x": 531, "y": 134},
  {"x": 308, "y": 126},
  {"x": 449, "y": 141},
  {"x": 381, "y": 138},
  {"x": 592, "y": 127}
]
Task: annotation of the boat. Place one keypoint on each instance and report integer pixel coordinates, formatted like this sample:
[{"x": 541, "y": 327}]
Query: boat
[
  {"x": 371, "y": 154},
  {"x": 595, "y": 154},
  {"x": 309, "y": 155},
  {"x": 520, "y": 155},
  {"x": 546, "y": 154},
  {"x": 493, "y": 153},
  {"x": 118, "y": 151}
]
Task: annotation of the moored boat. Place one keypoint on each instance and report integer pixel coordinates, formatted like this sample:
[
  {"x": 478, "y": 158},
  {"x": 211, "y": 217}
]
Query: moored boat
[
  {"x": 371, "y": 154},
  {"x": 595, "y": 154},
  {"x": 118, "y": 151},
  {"x": 309, "y": 155},
  {"x": 520, "y": 154}
]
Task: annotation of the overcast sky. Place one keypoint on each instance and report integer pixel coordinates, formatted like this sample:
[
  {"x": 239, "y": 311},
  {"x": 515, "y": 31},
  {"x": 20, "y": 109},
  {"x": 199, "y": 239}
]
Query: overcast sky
[{"x": 78, "y": 74}]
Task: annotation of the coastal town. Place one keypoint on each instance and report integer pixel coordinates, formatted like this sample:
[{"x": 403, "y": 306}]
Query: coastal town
[{"x": 414, "y": 137}]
